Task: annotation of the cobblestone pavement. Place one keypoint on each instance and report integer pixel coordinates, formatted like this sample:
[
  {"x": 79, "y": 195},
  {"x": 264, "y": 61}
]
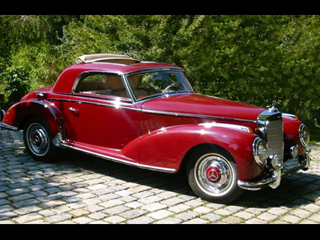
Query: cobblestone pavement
[{"x": 79, "y": 189}]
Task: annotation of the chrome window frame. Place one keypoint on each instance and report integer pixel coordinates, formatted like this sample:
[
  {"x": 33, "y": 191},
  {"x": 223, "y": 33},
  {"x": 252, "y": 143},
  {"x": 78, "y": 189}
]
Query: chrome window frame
[
  {"x": 82, "y": 75},
  {"x": 155, "y": 96}
]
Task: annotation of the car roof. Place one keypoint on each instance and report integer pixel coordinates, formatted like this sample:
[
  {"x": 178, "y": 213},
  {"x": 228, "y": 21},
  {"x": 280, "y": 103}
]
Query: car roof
[{"x": 114, "y": 64}]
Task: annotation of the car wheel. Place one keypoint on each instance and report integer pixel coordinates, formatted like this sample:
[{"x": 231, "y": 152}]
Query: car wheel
[
  {"x": 213, "y": 175},
  {"x": 38, "y": 140}
]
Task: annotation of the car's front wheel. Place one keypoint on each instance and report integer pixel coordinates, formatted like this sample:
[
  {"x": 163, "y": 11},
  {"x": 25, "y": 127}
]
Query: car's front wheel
[
  {"x": 38, "y": 140},
  {"x": 213, "y": 175}
]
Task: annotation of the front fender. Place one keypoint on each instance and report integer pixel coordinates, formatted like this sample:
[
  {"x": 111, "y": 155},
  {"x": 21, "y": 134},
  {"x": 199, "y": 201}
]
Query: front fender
[
  {"x": 18, "y": 113},
  {"x": 167, "y": 147}
]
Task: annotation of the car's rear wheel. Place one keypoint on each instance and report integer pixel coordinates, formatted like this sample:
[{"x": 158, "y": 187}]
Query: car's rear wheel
[
  {"x": 37, "y": 138},
  {"x": 213, "y": 175}
]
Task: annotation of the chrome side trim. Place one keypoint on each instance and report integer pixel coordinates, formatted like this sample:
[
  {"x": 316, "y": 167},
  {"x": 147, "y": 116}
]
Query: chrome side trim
[
  {"x": 143, "y": 166},
  {"x": 225, "y": 125},
  {"x": 157, "y": 112},
  {"x": 176, "y": 68},
  {"x": 92, "y": 103},
  {"x": 8, "y": 127},
  {"x": 197, "y": 116}
]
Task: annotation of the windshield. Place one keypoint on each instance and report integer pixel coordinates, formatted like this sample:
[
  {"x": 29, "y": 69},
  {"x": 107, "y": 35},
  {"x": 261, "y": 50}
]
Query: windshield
[{"x": 160, "y": 82}]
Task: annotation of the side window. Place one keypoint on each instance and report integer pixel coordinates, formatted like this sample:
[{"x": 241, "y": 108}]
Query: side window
[{"x": 102, "y": 84}]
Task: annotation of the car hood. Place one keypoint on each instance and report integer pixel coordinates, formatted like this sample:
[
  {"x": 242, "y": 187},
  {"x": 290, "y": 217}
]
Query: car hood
[{"x": 196, "y": 104}]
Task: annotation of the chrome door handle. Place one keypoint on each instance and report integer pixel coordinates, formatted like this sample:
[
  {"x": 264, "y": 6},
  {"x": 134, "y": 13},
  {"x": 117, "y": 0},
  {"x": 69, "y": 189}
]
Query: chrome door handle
[{"x": 74, "y": 111}]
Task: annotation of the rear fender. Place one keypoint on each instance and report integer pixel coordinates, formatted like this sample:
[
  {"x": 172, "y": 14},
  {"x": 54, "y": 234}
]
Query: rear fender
[
  {"x": 167, "y": 147},
  {"x": 18, "y": 113}
]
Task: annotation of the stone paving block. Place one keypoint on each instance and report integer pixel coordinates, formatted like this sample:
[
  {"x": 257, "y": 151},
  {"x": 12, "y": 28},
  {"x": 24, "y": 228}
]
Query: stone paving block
[
  {"x": 28, "y": 218},
  {"x": 115, "y": 219},
  {"x": 277, "y": 211},
  {"x": 116, "y": 210},
  {"x": 51, "y": 204},
  {"x": 315, "y": 217},
  {"x": 232, "y": 220},
  {"x": 58, "y": 218},
  {"x": 202, "y": 210},
  {"x": 141, "y": 220},
  {"x": 82, "y": 220},
  {"x": 6, "y": 215},
  {"x": 172, "y": 201},
  {"x": 267, "y": 216},
  {"x": 301, "y": 213},
  {"x": 211, "y": 217},
  {"x": 78, "y": 212},
  {"x": 153, "y": 207},
  {"x": 134, "y": 204},
  {"x": 133, "y": 213},
  {"x": 179, "y": 208},
  {"x": 196, "y": 221},
  {"x": 291, "y": 218},
  {"x": 160, "y": 214},
  {"x": 170, "y": 220},
  {"x": 28, "y": 209},
  {"x": 255, "y": 221},
  {"x": 185, "y": 216},
  {"x": 97, "y": 215}
]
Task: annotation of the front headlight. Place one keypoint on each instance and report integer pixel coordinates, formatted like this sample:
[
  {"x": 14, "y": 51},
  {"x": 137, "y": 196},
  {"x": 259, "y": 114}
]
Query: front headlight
[
  {"x": 304, "y": 135},
  {"x": 259, "y": 151}
]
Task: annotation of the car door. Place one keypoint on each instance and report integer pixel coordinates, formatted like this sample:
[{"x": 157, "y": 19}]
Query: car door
[{"x": 100, "y": 113}]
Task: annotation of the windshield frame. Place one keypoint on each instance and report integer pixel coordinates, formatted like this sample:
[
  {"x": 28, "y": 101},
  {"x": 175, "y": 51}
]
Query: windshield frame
[{"x": 185, "y": 83}]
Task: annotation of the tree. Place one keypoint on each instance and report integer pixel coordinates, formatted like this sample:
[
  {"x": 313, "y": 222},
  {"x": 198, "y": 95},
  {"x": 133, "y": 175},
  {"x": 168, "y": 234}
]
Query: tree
[{"x": 254, "y": 59}]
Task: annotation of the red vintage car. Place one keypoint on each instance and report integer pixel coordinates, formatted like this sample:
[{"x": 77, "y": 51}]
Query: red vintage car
[{"x": 145, "y": 114}]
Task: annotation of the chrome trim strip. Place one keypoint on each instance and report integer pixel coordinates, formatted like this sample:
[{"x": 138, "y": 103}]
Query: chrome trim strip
[
  {"x": 158, "y": 112},
  {"x": 154, "y": 69},
  {"x": 159, "y": 169},
  {"x": 225, "y": 125},
  {"x": 92, "y": 103},
  {"x": 8, "y": 127},
  {"x": 197, "y": 116}
]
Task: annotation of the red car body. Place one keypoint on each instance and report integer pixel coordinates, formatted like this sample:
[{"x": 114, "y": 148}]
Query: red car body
[{"x": 225, "y": 146}]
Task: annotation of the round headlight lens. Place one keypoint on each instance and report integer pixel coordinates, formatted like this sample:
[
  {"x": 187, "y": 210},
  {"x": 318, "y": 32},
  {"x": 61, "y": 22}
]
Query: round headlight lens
[
  {"x": 259, "y": 151},
  {"x": 304, "y": 135}
]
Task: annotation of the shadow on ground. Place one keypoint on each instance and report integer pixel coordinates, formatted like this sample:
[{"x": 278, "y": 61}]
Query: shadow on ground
[{"x": 295, "y": 190}]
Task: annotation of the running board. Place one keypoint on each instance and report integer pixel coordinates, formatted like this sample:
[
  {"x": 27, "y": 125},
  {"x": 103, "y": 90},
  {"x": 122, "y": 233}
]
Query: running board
[{"x": 57, "y": 141}]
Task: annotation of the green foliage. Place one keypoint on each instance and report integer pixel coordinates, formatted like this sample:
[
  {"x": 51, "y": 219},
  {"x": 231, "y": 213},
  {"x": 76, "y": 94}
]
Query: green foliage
[
  {"x": 16, "y": 85},
  {"x": 254, "y": 59}
]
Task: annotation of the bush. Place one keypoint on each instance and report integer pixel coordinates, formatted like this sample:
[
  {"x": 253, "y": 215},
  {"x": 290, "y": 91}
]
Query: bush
[{"x": 16, "y": 84}]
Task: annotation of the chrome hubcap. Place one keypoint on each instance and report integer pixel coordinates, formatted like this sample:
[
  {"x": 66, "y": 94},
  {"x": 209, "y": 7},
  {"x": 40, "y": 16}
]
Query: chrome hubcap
[
  {"x": 37, "y": 139},
  {"x": 214, "y": 174}
]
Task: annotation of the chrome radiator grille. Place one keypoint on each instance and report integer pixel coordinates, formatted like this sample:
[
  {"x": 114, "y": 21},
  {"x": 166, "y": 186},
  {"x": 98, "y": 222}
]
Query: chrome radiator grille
[
  {"x": 274, "y": 138},
  {"x": 270, "y": 125}
]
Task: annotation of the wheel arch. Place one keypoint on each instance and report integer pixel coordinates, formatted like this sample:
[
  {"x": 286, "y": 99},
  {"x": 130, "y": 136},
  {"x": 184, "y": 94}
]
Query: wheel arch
[
  {"x": 19, "y": 114},
  {"x": 208, "y": 146}
]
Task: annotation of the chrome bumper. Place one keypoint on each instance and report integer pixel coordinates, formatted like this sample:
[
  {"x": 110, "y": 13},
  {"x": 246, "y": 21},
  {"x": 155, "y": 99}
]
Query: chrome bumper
[{"x": 277, "y": 172}]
